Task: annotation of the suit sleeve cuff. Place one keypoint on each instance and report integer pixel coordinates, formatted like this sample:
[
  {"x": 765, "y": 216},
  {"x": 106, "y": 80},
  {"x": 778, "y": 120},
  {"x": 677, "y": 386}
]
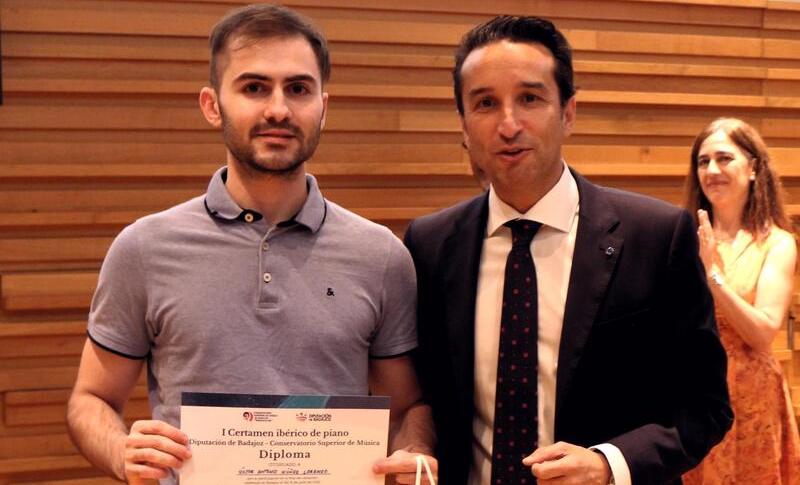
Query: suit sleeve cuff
[{"x": 619, "y": 467}]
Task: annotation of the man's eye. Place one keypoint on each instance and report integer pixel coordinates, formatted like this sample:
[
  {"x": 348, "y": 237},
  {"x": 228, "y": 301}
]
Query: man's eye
[
  {"x": 253, "y": 88},
  {"x": 298, "y": 89},
  {"x": 485, "y": 103},
  {"x": 529, "y": 98}
]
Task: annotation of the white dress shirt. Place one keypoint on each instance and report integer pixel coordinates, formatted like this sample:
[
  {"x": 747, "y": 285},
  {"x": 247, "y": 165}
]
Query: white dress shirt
[{"x": 552, "y": 250}]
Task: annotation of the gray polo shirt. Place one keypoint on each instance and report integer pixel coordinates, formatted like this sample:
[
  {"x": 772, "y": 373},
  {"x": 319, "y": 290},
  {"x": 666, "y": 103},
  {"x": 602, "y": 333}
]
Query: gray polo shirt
[{"x": 218, "y": 300}]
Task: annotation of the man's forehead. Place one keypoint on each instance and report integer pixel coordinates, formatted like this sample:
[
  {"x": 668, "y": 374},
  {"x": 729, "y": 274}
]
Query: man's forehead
[
  {"x": 241, "y": 43},
  {"x": 505, "y": 54},
  {"x": 271, "y": 52}
]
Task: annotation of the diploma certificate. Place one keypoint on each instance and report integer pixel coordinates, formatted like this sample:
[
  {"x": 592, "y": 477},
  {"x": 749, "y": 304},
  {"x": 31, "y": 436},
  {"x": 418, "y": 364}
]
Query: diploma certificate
[{"x": 291, "y": 440}]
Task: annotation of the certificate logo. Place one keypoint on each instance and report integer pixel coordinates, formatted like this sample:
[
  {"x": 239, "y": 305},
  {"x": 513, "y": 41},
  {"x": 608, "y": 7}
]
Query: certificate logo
[
  {"x": 301, "y": 417},
  {"x": 247, "y": 416},
  {"x": 266, "y": 416},
  {"x": 320, "y": 417}
]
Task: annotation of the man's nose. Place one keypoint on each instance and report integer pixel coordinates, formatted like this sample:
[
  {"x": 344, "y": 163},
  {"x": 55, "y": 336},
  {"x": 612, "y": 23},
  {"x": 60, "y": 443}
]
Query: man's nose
[
  {"x": 509, "y": 125},
  {"x": 276, "y": 108}
]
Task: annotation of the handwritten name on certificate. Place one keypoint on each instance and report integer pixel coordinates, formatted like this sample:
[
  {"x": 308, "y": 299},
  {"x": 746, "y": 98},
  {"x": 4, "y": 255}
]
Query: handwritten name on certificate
[{"x": 286, "y": 440}]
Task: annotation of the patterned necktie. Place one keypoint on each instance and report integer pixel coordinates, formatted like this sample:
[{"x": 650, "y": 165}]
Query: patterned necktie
[{"x": 516, "y": 430}]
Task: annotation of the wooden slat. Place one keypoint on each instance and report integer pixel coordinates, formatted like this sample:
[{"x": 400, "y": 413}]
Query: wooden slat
[
  {"x": 734, "y": 3},
  {"x": 37, "y": 378},
  {"x": 588, "y": 164},
  {"x": 53, "y": 249},
  {"x": 399, "y": 92},
  {"x": 38, "y": 284},
  {"x": 139, "y": 20},
  {"x": 99, "y": 160},
  {"x": 32, "y": 46},
  {"x": 42, "y": 328},
  {"x": 33, "y": 408},
  {"x": 43, "y": 346},
  {"x": 782, "y": 16},
  {"x": 36, "y": 446},
  {"x": 209, "y": 156},
  {"x": 58, "y": 219},
  {"x": 435, "y": 120},
  {"x": 47, "y": 291},
  {"x": 43, "y": 464}
]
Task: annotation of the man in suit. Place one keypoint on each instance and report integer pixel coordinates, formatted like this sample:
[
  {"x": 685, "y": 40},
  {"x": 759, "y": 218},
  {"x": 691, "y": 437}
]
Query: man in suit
[{"x": 627, "y": 383}]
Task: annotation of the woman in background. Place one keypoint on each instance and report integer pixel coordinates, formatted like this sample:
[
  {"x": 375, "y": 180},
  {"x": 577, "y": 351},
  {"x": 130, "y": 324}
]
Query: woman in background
[{"x": 749, "y": 253}]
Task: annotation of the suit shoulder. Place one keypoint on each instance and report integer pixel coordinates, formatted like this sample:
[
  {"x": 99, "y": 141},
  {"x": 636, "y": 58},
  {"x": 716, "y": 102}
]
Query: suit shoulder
[{"x": 633, "y": 205}]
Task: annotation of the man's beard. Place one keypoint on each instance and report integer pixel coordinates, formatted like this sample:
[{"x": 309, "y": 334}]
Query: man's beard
[{"x": 246, "y": 156}]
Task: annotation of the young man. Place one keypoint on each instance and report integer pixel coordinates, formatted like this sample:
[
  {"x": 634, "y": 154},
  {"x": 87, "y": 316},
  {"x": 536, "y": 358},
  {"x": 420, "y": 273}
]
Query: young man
[
  {"x": 260, "y": 286},
  {"x": 566, "y": 331}
]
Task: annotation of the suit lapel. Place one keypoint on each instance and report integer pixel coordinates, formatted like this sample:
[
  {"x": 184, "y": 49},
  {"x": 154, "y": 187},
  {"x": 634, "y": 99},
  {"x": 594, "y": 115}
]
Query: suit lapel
[
  {"x": 596, "y": 251},
  {"x": 460, "y": 265}
]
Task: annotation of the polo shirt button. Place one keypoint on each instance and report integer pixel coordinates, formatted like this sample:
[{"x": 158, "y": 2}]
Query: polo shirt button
[
  {"x": 248, "y": 217},
  {"x": 265, "y": 246},
  {"x": 267, "y": 277}
]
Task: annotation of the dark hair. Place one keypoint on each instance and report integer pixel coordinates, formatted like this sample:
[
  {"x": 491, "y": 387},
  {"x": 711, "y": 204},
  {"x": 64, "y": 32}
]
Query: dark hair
[
  {"x": 764, "y": 206},
  {"x": 518, "y": 29},
  {"x": 263, "y": 21}
]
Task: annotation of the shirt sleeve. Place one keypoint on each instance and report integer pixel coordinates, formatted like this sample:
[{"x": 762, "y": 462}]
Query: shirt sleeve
[
  {"x": 617, "y": 463},
  {"x": 396, "y": 332},
  {"x": 117, "y": 317}
]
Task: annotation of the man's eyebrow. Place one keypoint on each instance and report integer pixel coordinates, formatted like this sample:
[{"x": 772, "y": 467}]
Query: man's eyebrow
[
  {"x": 301, "y": 77},
  {"x": 532, "y": 85},
  {"x": 525, "y": 84},
  {"x": 478, "y": 91},
  {"x": 253, "y": 76}
]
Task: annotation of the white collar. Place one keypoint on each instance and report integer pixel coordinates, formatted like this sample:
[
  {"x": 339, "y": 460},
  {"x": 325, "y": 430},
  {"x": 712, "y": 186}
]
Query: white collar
[{"x": 555, "y": 209}]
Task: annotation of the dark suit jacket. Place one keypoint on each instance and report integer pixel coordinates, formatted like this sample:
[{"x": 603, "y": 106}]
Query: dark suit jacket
[{"x": 640, "y": 362}]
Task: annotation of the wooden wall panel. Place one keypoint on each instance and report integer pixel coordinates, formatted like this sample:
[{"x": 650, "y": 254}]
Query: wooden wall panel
[{"x": 100, "y": 126}]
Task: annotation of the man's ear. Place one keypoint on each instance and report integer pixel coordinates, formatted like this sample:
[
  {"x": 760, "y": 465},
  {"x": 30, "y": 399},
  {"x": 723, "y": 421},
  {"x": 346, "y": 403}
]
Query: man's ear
[
  {"x": 568, "y": 116},
  {"x": 464, "y": 134},
  {"x": 209, "y": 105},
  {"x": 324, "y": 111}
]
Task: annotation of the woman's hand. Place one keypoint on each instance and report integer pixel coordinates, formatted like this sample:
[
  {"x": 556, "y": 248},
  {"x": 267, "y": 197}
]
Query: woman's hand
[{"x": 708, "y": 245}]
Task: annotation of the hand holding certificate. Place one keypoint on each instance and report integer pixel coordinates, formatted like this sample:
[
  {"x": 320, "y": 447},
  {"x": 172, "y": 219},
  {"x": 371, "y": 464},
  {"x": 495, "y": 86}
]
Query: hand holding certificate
[{"x": 314, "y": 440}]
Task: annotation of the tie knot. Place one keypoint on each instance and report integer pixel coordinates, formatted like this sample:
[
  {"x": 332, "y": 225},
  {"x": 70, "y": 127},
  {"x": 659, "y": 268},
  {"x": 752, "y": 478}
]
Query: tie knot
[{"x": 522, "y": 231}]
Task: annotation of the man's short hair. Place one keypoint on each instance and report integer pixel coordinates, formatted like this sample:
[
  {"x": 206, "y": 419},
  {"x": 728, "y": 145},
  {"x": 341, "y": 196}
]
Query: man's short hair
[
  {"x": 264, "y": 21},
  {"x": 524, "y": 30}
]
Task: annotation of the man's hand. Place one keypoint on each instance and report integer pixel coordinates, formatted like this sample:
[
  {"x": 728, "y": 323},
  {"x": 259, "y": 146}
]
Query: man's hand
[
  {"x": 566, "y": 464},
  {"x": 403, "y": 465},
  {"x": 151, "y": 449}
]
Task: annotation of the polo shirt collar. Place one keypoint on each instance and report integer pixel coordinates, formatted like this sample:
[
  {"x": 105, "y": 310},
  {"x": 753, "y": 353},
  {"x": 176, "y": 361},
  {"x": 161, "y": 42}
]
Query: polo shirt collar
[
  {"x": 221, "y": 205},
  {"x": 555, "y": 209},
  {"x": 314, "y": 210}
]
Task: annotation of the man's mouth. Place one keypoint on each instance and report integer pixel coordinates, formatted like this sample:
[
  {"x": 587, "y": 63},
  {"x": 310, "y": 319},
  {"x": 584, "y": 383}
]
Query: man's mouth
[
  {"x": 279, "y": 133},
  {"x": 513, "y": 153},
  {"x": 275, "y": 133}
]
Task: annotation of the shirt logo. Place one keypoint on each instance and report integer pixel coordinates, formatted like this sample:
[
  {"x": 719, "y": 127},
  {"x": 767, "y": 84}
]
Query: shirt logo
[{"x": 330, "y": 292}]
